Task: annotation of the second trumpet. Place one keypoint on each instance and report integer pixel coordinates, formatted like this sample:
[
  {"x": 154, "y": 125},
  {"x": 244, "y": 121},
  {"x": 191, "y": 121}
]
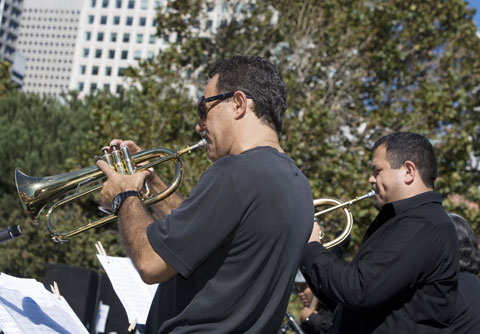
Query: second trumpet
[{"x": 345, "y": 206}]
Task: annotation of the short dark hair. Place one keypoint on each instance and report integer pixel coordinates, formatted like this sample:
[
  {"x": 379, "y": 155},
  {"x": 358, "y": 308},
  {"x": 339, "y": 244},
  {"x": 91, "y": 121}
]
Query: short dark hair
[
  {"x": 468, "y": 244},
  {"x": 403, "y": 146},
  {"x": 259, "y": 78}
]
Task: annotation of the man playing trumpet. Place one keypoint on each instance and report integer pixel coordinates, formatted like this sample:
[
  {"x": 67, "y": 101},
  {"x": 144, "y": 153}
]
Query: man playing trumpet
[
  {"x": 404, "y": 277},
  {"x": 226, "y": 256}
]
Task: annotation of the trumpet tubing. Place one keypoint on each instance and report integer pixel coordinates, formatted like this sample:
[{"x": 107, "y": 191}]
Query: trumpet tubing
[
  {"x": 36, "y": 193},
  {"x": 337, "y": 205}
]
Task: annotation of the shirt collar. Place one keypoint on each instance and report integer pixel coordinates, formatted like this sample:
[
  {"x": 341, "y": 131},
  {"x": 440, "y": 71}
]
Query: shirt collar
[
  {"x": 390, "y": 210},
  {"x": 415, "y": 201}
]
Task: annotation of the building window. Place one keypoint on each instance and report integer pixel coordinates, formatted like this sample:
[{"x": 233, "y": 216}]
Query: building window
[
  {"x": 93, "y": 3},
  {"x": 100, "y": 37},
  {"x": 113, "y": 37},
  {"x": 116, "y": 20},
  {"x": 150, "y": 54},
  {"x": 131, "y": 4},
  {"x": 80, "y": 86},
  {"x": 139, "y": 38},
  {"x": 88, "y": 35},
  {"x": 124, "y": 54},
  {"x": 103, "y": 19},
  {"x": 98, "y": 53},
  {"x": 154, "y": 22},
  {"x": 138, "y": 55},
  {"x": 111, "y": 54},
  {"x": 83, "y": 69},
  {"x": 108, "y": 71},
  {"x": 157, "y": 4},
  {"x": 106, "y": 87},
  {"x": 91, "y": 18},
  {"x": 118, "y": 3},
  {"x": 104, "y": 3},
  {"x": 144, "y": 4},
  {"x": 143, "y": 21},
  {"x": 129, "y": 20},
  {"x": 151, "y": 39},
  {"x": 93, "y": 87},
  {"x": 121, "y": 71},
  {"x": 85, "y": 52},
  {"x": 209, "y": 24},
  {"x": 94, "y": 70},
  {"x": 126, "y": 37}
]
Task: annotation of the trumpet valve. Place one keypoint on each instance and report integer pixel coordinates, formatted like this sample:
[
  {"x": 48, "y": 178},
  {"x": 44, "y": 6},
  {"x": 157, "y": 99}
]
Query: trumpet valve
[{"x": 107, "y": 157}]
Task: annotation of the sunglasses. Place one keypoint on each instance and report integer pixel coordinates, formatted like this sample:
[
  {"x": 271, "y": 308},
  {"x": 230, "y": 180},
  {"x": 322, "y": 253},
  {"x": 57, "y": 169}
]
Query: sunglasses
[{"x": 202, "y": 103}]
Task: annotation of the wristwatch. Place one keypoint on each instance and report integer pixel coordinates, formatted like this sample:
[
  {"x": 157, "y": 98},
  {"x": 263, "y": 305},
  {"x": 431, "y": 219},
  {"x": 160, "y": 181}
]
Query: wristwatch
[{"x": 119, "y": 198}]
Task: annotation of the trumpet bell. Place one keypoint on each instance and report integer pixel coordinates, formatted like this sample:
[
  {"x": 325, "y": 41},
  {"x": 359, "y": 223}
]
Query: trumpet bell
[{"x": 36, "y": 192}]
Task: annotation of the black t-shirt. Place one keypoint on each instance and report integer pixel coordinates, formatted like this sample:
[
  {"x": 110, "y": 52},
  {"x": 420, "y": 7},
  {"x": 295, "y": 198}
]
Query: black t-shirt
[
  {"x": 404, "y": 276},
  {"x": 236, "y": 243}
]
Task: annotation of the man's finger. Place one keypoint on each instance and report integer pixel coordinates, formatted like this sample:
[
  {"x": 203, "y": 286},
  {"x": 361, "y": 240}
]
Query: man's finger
[
  {"x": 105, "y": 168},
  {"x": 116, "y": 141}
]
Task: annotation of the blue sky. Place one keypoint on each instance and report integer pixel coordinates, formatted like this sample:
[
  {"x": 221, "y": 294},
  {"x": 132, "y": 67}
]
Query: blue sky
[{"x": 475, "y": 4}]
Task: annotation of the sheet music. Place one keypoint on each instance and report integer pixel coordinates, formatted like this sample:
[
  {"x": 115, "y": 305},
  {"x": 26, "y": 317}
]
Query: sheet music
[
  {"x": 135, "y": 295},
  {"x": 27, "y": 307}
]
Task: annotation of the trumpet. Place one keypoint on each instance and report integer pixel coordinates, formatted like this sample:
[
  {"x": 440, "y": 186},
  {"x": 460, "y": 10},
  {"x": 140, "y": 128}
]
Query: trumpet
[
  {"x": 345, "y": 206},
  {"x": 36, "y": 193}
]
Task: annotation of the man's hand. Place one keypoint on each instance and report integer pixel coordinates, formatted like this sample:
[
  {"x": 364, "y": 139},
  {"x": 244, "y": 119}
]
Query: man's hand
[
  {"x": 117, "y": 183},
  {"x": 314, "y": 236},
  {"x": 132, "y": 146}
]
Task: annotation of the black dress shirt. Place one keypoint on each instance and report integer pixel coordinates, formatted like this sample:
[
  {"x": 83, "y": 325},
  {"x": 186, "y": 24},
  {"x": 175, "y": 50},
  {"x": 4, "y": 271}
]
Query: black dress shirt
[{"x": 403, "y": 278}]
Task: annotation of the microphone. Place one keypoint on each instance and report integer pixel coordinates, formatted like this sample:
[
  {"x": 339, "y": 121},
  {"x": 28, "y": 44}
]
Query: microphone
[{"x": 10, "y": 233}]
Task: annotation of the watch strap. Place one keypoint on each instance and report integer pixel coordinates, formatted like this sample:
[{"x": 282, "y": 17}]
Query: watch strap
[{"x": 124, "y": 195}]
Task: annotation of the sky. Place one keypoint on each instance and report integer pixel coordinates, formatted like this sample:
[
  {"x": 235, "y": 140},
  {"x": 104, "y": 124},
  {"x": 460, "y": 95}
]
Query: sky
[{"x": 475, "y": 4}]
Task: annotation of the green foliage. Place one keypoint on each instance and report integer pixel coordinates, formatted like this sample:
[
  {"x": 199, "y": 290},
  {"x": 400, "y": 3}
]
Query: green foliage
[
  {"x": 6, "y": 84},
  {"x": 354, "y": 72}
]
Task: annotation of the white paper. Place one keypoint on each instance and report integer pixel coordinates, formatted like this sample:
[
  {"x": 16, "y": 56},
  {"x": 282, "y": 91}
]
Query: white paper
[
  {"x": 135, "y": 295},
  {"x": 27, "y": 307},
  {"x": 102, "y": 317}
]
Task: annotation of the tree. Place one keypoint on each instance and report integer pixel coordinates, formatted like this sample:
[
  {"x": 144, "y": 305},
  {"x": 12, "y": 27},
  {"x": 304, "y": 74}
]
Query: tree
[
  {"x": 6, "y": 83},
  {"x": 39, "y": 135},
  {"x": 354, "y": 71}
]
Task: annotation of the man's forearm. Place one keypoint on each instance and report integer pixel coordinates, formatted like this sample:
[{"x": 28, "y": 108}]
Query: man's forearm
[{"x": 132, "y": 223}]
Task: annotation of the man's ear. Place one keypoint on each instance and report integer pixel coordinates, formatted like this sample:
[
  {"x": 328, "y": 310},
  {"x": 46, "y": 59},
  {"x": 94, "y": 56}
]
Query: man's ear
[
  {"x": 410, "y": 172},
  {"x": 240, "y": 104}
]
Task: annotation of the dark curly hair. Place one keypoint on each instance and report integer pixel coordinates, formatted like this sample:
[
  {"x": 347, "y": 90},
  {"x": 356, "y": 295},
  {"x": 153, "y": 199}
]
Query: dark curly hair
[
  {"x": 403, "y": 146},
  {"x": 258, "y": 78},
  {"x": 468, "y": 243}
]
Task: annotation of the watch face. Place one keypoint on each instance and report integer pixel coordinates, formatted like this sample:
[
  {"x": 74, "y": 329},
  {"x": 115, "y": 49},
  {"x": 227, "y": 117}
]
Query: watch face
[{"x": 116, "y": 203}]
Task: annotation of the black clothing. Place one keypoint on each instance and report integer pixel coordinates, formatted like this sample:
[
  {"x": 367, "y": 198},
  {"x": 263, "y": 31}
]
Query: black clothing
[
  {"x": 468, "y": 319},
  {"x": 236, "y": 244},
  {"x": 404, "y": 276},
  {"x": 317, "y": 323}
]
